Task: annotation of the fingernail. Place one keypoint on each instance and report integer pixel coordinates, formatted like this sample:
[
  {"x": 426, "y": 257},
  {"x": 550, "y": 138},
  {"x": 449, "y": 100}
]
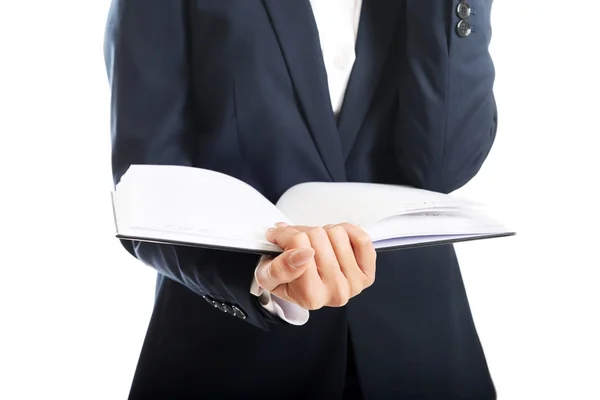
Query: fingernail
[
  {"x": 281, "y": 224},
  {"x": 300, "y": 257},
  {"x": 270, "y": 233}
]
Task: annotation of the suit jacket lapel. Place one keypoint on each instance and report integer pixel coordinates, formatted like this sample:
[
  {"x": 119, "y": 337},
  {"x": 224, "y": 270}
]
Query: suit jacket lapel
[
  {"x": 379, "y": 23},
  {"x": 297, "y": 32}
]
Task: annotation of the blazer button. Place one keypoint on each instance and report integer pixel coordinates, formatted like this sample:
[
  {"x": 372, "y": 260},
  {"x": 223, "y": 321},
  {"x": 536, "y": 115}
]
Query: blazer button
[
  {"x": 218, "y": 305},
  {"x": 221, "y": 306},
  {"x": 463, "y": 28},
  {"x": 463, "y": 10},
  {"x": 238, "y": 313}
]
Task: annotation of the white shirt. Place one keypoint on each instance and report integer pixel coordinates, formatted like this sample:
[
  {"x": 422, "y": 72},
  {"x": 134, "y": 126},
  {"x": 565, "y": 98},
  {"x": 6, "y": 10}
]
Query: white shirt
[{"x": 337, "y": 22}]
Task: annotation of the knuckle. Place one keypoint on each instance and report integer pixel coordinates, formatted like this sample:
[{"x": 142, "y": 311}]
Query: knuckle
[
  {"x": 357, "y": 286},
  {"x": 311, "y": 303},
  {"x": 368, "y": 280},
  {"x": 346, "y": 225},
  {"x": 340, "y": 296},
  {"x": 363, "y": 239},
  {"x": 288, "y": 231},
  {"x": 317, "y": 232},
  {"x": 300, "y": 239},
  {"x": 356, "y": 292},
  {"x": 338, "y": 301},
  {"x": 337, "y": 231},
  {"x": 275, "y": 270}
]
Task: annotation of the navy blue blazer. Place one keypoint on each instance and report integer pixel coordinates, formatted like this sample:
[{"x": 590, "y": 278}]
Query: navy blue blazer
[{"x": 239, "y": 86}]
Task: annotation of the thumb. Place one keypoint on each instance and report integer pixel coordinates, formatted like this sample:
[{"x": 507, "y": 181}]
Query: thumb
[{"x": 286, "y": 267}]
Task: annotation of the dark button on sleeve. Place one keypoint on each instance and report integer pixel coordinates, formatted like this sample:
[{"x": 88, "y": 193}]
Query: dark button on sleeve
[
  {"x": 221, "y": 306},
  {"x": 463, "y": 10},
  {"x": 226, "y": 308},
  {"x": 238, "y": 313},
  {"x": 216, "y": 304},
  {"x": 463, "y": 28}
]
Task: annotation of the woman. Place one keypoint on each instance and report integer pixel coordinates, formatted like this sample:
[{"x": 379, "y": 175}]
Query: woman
[{"x": 276, "y": 93}]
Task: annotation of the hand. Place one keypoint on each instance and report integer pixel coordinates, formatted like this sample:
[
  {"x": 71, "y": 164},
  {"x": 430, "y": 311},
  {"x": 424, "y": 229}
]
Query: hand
[{"x": 319, "y": 266}]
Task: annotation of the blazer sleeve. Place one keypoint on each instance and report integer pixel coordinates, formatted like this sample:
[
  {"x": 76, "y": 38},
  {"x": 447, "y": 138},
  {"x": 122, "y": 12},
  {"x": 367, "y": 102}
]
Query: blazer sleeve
[
  {"x": 447, "y": 117},
  {"x": 147, "y": 62}
]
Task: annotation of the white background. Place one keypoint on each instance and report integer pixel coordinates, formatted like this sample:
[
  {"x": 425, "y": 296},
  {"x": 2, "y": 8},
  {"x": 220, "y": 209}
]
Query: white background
[{"x": 74, "y": 306}]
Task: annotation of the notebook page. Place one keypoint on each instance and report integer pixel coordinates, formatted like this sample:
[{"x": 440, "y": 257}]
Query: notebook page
[
  {"x": 415, "y": 240},
  {"x": 191, "y": 201},
  {"x": 432, "y": 224},
  {"x": 317, "y": 204}
]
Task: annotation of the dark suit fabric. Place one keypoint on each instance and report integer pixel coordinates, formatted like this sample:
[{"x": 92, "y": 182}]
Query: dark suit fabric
[{"x": 239, "y": 86}]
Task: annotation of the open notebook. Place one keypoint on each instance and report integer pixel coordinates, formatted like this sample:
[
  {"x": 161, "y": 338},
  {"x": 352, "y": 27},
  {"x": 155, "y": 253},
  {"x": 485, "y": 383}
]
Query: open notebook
[{"x": 199, "y": 207}]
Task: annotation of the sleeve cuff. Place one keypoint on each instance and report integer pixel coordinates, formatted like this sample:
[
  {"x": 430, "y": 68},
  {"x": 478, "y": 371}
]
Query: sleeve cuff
[{"x": 286, "y": 310}]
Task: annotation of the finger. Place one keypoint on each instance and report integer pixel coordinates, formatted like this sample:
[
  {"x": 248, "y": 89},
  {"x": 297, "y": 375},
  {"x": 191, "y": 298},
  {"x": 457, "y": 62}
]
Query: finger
[
  {"x": 320, "y": 284},
  {"x": 303, "y": 228},
  {"x": 328, "y": 267},
  {"x": 364, "y": 252},
  {"x": 308, "y": 290},
  {"x": 286, "y": 267},
  {"x": 349, "y": 268},
  {"x": 287, "y": 237},
  {"x": 327, "y": 263}
]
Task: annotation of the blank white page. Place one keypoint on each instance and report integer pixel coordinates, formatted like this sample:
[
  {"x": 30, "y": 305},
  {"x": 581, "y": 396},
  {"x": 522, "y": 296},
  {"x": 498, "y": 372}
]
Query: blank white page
[
  {"x": 318, "y": 204},
  {"x": 433, "y": 224},
  {"x": 195, "y": 201}
]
